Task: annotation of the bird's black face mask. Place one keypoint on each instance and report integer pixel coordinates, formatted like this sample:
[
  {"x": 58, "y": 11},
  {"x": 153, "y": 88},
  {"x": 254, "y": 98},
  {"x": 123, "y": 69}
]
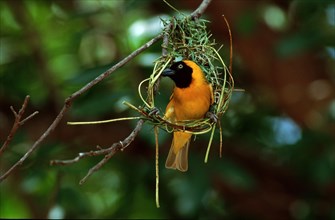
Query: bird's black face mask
[{"x": 180, "y": 73}]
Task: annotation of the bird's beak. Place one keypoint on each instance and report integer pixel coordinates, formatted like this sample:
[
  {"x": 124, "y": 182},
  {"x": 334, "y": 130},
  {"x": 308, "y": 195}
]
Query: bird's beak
[{"x": 168, "y": 72}]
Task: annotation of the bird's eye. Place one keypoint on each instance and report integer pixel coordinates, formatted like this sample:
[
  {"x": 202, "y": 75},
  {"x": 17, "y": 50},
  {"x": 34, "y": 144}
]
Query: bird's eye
[{"x": 180, "y": 66}]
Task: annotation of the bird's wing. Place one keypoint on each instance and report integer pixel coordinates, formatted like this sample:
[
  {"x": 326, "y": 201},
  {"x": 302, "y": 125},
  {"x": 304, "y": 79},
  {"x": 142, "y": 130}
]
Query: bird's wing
[{"x": 170, "y": 111}]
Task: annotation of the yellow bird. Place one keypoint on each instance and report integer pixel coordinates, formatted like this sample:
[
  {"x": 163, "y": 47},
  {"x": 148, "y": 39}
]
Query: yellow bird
[{"x": 191, "y": 99}]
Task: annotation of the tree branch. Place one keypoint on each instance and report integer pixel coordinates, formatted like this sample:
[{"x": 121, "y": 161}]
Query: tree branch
[
  {"x": 201, "y": 9},
  {"x": 17, "y": 123},
  {"x": 108, "y": 152}
]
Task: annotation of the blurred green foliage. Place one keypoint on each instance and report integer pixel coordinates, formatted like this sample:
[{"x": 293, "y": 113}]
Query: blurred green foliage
[{"x": 50, "y": 49}]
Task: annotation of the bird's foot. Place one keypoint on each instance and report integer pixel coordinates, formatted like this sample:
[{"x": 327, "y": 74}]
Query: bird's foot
[
  {"x": 154, "y": 111},
  {"x": 212, "y": 116}
]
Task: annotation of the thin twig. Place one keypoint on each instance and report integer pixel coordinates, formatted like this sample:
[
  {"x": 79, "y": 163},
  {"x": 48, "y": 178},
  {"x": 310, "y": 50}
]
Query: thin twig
[
  {"x": 108, "y": 152},
  {"x": 118, "y": 146},
  {"x": 201, "y": 9},
  {"x": 17, "y": 123},
  {"x": 231, "y": 45},
  {"x": 79, "y": 157},
  {"x": 115, "y": 67},
  {"x": 28, "y": 118},
  {"x": 36, "y": 144}
]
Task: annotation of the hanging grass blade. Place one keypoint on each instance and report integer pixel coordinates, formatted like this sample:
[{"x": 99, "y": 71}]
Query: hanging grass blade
[
  {"x": 157, "y": 167},
  {"x": 102, "y": 122}
]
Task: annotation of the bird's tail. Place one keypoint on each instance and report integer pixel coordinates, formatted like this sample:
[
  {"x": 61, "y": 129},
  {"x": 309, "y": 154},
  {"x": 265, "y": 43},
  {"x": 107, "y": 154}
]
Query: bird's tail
[{"x": 178, "y": 154}]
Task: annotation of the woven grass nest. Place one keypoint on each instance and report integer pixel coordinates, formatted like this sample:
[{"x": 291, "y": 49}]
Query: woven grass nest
[{"x": 188, "y": 39}]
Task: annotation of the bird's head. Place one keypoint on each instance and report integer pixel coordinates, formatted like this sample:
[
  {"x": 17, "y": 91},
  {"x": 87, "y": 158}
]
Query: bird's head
[{"x": 181, "y": 73}]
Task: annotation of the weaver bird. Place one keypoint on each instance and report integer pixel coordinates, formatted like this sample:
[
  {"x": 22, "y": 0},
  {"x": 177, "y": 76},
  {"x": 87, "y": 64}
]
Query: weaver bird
[{"x": 191, "y": 99}]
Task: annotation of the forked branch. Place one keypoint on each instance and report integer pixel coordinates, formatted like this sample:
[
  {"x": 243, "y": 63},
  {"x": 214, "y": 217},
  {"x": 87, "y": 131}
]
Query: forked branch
[{"x": 18, "y": 122}]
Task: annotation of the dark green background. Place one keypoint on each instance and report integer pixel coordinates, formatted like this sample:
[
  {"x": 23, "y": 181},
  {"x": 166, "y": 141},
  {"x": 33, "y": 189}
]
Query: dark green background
[{"x": 278, "y": 135}]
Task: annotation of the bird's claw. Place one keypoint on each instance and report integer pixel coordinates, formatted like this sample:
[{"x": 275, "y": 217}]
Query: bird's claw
[
  {"x": 213, "y": 117},
  {"x": 153, "y": 111}
]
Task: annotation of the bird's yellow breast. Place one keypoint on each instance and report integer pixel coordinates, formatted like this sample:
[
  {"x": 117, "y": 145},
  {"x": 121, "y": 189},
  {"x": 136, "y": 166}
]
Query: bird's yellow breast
[{"x": 192, "y": 102}]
